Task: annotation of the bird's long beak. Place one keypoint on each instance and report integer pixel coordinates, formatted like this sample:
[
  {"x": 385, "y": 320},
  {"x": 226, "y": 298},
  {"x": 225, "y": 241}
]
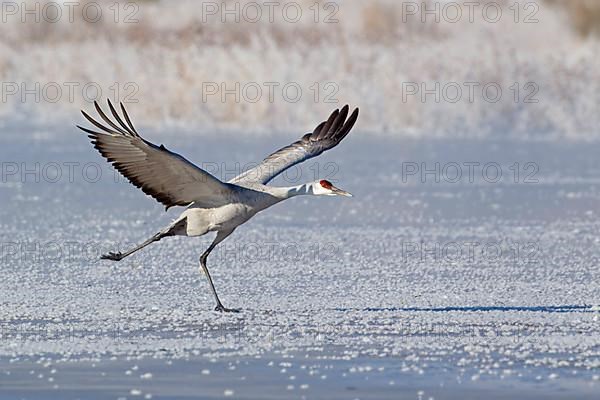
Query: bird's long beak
[{"x": 340, "y": 192}]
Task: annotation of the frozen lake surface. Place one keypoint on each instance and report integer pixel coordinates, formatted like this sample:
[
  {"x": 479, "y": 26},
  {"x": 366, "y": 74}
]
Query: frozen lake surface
[{"x": 453, "y": 283}]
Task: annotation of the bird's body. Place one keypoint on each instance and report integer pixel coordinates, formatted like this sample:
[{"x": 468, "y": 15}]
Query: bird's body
[
  {"x": 241, "y": 208},
  {"x": 212, "y": 205}
]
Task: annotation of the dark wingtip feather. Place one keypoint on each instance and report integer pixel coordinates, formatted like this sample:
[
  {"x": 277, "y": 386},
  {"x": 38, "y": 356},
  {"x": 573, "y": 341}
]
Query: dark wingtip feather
[
  {"x": 338, "y": 122},
  {"x": 318, "y": 129},
  {"x": 128, "y": 119},
  {"x": 118, "y": 118},
  {"x": 328, "y": 124},
  {"x": 83, "y": 129},
  {"x": 118, "y": 130},
  {"x": 98, "y": 124},
  {"x": 348, "y": 125},
  {"x": 89, "y": 131}
]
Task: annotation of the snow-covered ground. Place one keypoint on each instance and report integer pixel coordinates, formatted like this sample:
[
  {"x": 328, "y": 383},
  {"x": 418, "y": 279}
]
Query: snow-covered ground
[{"x": 423, "y": 285}]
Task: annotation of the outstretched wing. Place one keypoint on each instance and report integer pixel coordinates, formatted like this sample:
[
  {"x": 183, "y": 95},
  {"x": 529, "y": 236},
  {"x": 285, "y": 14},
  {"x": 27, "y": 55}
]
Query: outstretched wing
[
  {"x": 160, "y": 173},
  {"x": 326, "y": 135}
]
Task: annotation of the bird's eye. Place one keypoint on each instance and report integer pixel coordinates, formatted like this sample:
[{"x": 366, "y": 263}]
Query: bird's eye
[{"x": 326, "y": 184}]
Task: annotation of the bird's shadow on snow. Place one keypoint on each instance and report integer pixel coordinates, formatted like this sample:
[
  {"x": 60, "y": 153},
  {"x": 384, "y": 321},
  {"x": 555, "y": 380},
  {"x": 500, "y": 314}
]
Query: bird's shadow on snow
[{"x": 539, "y": 309}]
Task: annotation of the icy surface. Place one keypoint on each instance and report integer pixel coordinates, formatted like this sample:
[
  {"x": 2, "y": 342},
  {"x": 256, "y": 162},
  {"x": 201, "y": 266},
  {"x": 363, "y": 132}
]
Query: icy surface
[{"x": 361, "y": 297}]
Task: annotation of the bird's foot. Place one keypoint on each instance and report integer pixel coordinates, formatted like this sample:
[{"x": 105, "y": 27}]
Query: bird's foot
[
  {"x": 220, "y": 308},
  {"x": 112, "y": 256}
]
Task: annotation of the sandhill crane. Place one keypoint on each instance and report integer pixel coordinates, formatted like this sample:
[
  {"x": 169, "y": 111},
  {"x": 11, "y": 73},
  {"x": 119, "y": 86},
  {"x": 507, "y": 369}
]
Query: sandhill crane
[{"x": 212, "y": 205}]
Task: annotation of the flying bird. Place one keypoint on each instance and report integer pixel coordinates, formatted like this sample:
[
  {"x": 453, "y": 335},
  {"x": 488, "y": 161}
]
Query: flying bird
[{"x": 211, "y": 204}]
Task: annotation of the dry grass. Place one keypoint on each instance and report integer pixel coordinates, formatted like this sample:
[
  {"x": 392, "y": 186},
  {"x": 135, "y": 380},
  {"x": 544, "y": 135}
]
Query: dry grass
[
  {"x": 369, "y": 53},
  {"x": 584, "y": 15}
]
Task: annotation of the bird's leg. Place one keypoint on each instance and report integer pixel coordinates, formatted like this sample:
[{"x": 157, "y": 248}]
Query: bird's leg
[
  {"x": 168, "y": 231},
  {"x": 221, "y": 235},
  {"x": 118, "y": 256}
]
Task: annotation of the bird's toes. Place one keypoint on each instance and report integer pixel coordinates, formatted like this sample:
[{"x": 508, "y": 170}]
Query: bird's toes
[
  {"x": 112, "y": 256},
  {"x": 220, "y": 308}
]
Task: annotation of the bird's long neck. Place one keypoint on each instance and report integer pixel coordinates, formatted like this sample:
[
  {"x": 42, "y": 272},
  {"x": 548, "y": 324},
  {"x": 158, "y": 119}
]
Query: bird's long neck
[{"x": 283, "y": 193}]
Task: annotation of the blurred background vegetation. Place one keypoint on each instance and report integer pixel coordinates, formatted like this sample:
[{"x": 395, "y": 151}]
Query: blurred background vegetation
[
  {"x": 159, "y": 56},
  {"x": 584, "y": 15}
]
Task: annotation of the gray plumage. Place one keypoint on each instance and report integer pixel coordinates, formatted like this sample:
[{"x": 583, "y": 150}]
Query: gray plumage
[
  {"x": 326, "y": 135},
  {"x": 212, "y": 205}
]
